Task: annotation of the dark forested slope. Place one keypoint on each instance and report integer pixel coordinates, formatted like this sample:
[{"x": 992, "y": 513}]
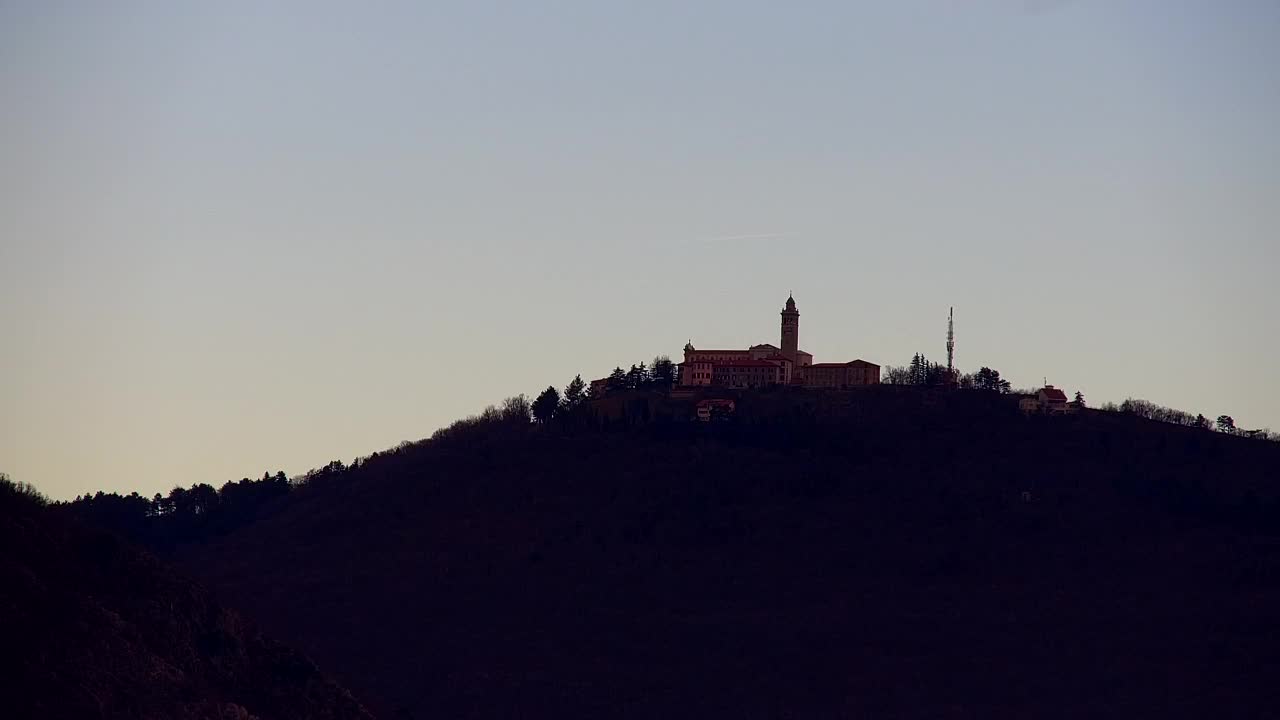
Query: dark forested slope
[
  {"x": 930, "y": 558},
  {"x": 91, "y": 627}
]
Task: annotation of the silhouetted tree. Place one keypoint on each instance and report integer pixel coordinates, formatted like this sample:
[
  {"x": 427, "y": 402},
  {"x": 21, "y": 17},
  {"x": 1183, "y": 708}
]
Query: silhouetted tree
[
  {"x": 921, "y": 371},
  {"x": 516, "y": 410},
  {"x": 1152, "y": 411},
  {"x": 895, "y": 375},
  {"x": 990, "y": 380},
  {"x": 203, "y": 498},
  {"x": 1226, "y": 424},
  {"x": 20, "y": 493},
  {"x": 663, "y": 372},
  {"x": 1202, "y": 422},
  {"x": 917, "y": 370},
  {"x": 545, "y": 406},
  {"x": 637, "y": 377},
  {"x": 934, "y": 374},
  {"x": 1080, "y": 398},
  {"x": 177, "y": 500},
  {"x": 188, "y": 513},
  {"x": 617, "y": 380},
  {"x": 574, "y": 393}
]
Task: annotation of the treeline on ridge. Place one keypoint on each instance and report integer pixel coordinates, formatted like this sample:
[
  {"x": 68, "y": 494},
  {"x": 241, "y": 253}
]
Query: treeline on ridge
[{"x": 190, "y": 514}]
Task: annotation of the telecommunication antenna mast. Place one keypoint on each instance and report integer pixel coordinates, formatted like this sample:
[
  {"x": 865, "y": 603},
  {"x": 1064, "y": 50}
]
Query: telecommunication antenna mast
[{"x": 951, "y": 340}]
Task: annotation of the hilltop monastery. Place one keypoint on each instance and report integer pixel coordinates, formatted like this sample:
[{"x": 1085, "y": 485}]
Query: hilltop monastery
[{"x": 766, "y": 364}]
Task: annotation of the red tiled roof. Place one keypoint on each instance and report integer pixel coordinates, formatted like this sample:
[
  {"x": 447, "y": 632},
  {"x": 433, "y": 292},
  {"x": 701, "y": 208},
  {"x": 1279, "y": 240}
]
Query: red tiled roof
[
  {"x": 1054, "y": 393},
  {"x": 851, "y": 363}
]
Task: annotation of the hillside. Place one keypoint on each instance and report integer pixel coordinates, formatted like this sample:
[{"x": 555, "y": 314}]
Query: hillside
[
  {"x": 934, "y": 556},
  {"x": 94, "y": 628},
  {"x": 887, "y": 551}
]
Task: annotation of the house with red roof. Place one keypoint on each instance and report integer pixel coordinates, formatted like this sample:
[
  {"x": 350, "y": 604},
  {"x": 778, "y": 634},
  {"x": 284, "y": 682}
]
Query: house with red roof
[
  {"x": 1048, "y": 400},
  {"x": 1052, "y": 400}
]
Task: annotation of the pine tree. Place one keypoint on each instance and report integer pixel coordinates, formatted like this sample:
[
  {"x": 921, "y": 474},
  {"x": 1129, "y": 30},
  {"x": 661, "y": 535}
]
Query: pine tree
[
  {"x": 617, "y": 380},
  {"x": 637, "y": 377},
  {"x": 545, "y": 406},
  {"x": 574, "y": 393}
]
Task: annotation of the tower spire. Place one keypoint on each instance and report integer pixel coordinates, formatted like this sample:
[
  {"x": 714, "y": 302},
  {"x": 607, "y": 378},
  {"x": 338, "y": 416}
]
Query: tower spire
[{"x": 790, "y": 329}]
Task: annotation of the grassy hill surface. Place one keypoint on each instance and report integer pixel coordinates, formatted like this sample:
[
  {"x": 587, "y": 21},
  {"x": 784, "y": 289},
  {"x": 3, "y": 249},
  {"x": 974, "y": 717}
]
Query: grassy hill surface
[
  {"x": 877, "y": 555},
  {"x": 92, "y": 627}
]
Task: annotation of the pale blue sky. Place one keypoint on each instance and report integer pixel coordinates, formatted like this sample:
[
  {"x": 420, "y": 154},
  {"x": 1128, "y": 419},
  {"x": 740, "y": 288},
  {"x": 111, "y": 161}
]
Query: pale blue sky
[{"x": 240, "y": 236}]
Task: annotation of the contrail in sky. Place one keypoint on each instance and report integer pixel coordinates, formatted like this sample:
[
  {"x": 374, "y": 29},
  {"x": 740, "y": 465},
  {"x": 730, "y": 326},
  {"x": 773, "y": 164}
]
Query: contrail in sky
[{"x": 757, "y": 236}]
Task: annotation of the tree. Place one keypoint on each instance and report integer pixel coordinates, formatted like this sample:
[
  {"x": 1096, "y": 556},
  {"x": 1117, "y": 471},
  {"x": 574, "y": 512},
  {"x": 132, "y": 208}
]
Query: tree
[
  {"x": 895, "y": 375},
  {"x": 1079, "y": 398},
  {"x": 545, "y": 406},
  {"x": 1226, "y": 424},
  {"x": 1202, "y": 422},
  {"x": 20, "y": 492},
  {"x": 514, "y": 410},
  {"x": 990, "y": 380},
  {"x": 203, "y": 498},
  {"x": 574, "y": 393},
  {"x": 934, "y": 374},
  {"x": 917, "y": 369},
  {"x": 617, "y": 380},
  {"x": 637, "y": 377},
  {"x": 177, "y": 501},
  {"x": 662, "y": 372}
]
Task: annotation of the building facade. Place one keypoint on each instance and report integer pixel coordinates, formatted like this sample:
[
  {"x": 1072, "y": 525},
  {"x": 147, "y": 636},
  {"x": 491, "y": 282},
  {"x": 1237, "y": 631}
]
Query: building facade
[
  {"x": 748, "y": 374},
  {"x": 842, "y": 375}
]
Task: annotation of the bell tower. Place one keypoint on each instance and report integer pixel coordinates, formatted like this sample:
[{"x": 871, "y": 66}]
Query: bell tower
[{"x": 790, "y": 329}]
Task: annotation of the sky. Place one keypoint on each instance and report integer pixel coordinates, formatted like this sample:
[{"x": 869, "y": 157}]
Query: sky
[{"x": 244, "y": 236}]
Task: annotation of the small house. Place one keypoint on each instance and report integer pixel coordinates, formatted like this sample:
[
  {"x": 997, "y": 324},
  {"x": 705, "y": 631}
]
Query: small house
[{"x": 1052, "y": 401}]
